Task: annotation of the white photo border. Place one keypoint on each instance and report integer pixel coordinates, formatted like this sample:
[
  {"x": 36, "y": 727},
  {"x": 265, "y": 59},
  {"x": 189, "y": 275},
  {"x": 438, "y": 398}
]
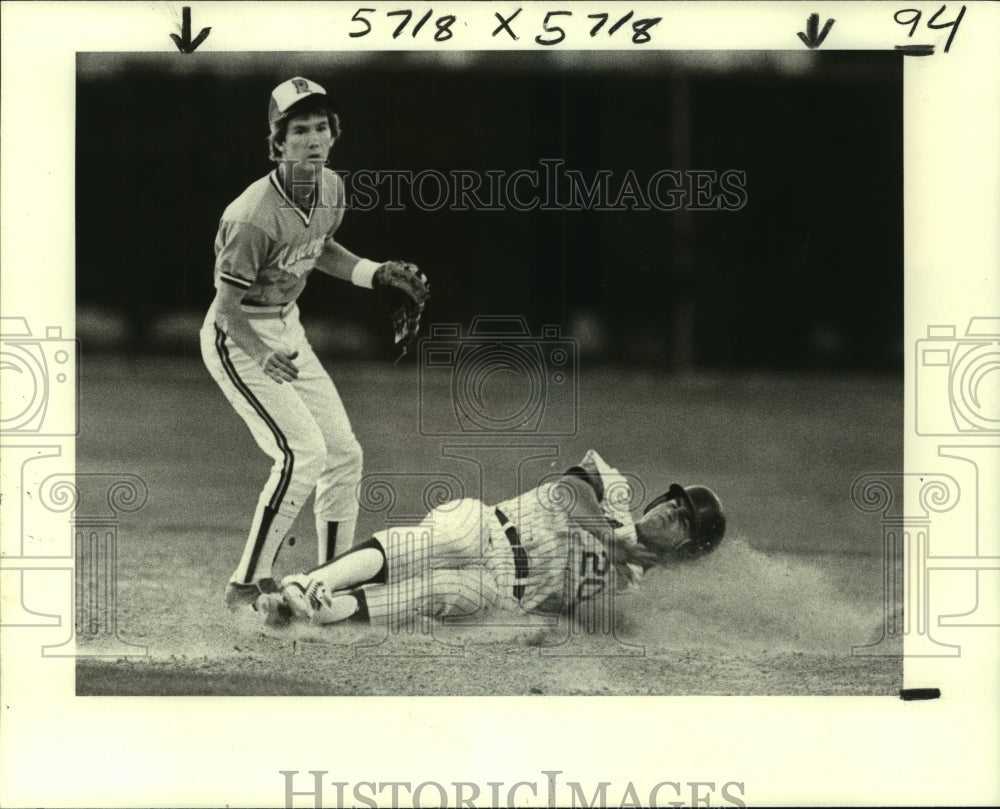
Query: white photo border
[{"x": 60, "y": 750}]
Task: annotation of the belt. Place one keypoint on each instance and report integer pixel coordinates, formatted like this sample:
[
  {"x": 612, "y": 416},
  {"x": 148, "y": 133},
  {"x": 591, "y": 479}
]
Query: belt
[
  {"x": 260, "y": 310},
  {"x": 520, "y": 554}
]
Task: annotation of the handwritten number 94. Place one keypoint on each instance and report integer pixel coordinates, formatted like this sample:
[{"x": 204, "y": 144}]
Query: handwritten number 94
[{"x": 911, "y": 17}]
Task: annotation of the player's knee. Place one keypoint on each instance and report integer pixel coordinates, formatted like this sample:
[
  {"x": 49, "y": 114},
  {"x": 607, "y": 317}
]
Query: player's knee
[
  {"x": 352, "y": 458},
  {"x": 310, "y": 456},
  {"x": 344, "y": 457}
]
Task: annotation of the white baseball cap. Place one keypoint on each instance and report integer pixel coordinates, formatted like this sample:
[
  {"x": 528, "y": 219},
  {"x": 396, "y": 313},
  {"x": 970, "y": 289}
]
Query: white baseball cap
[{"x": 291, "y": 92}]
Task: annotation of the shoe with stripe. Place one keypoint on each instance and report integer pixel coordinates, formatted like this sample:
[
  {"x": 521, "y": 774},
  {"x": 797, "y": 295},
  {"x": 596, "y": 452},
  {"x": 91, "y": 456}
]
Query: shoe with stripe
[
  {"x": 303, "y": 594},
  {"x": 245, "y": 595},
  {"x": 311, "y": 601}
]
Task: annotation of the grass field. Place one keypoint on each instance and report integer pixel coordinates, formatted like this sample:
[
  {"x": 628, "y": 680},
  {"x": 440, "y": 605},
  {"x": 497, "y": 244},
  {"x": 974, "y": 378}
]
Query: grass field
[{"x": 776, "y": 610}]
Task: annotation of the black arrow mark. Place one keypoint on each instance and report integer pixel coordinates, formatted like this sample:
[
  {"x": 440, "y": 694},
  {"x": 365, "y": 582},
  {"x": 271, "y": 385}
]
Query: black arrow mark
[
  {"x": 183, "y": 42},
  {"x": 813, "y": 37},
  {"x": 916, "y": 50}
]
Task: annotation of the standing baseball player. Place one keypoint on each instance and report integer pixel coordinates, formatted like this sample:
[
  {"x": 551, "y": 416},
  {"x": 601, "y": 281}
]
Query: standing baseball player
[
  {"x": 270, "y": 239},
  {"x": 551, "y": 549}
]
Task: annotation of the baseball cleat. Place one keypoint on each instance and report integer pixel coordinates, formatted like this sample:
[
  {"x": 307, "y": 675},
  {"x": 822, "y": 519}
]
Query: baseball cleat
[
  {"x": 305, "y": 596},
  {"x": 277, "y": 613},
  {"x": 299, "y": 591},
  {"x": 244, "y": 595}
]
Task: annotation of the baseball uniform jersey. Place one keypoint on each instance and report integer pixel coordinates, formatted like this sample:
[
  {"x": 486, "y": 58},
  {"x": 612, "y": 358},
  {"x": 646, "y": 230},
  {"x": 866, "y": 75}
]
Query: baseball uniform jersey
[
  {"x": 466, "y": 557},
  {"x": 268, "y": 245}
]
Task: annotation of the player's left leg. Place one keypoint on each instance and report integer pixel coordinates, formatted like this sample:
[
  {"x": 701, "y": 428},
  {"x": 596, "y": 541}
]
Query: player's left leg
[
  {"x": 286, "y": 431},
  {"x": 363, "y": 564},
  {"x": 452, "y": 535},
  {"x": 336, "y": 505},
  {"x": 443, "y": 592}
]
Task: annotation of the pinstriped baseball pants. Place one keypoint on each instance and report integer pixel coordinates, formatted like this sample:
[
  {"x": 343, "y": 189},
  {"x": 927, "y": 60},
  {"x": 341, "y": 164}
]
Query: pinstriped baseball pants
[{"x": 457, "y": 561}]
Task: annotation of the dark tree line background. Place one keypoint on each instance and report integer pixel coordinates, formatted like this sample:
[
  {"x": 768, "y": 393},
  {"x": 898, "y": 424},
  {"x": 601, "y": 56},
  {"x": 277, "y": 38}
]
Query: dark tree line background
[{"x": 807, "y": 274}]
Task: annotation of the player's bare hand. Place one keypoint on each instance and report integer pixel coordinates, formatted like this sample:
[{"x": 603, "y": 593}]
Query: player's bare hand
[{"x": 280, "y": 366}]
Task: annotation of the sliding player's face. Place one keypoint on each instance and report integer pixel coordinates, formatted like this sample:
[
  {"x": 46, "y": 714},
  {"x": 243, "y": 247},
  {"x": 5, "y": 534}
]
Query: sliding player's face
[{"x": 667, "y": 527}]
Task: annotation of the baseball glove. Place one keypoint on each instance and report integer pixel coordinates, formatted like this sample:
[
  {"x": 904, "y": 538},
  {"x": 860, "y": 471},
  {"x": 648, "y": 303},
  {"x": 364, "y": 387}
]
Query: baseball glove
[{"x": 405, "y": 291}]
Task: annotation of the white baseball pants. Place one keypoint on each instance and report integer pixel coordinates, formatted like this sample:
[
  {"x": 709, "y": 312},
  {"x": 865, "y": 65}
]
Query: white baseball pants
[{"x": 301, "y": 425}]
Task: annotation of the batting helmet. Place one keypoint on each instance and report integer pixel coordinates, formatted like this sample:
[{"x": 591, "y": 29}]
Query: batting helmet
[{"x": 708, "y": 522}]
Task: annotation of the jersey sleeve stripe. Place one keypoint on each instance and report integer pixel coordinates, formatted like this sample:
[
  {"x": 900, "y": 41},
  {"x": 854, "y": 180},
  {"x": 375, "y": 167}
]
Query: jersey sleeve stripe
[{"x": 232, "y": 280}]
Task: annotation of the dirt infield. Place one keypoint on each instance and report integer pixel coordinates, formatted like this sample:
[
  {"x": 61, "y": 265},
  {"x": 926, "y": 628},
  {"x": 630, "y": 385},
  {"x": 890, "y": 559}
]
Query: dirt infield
[{"x": 777, "y": 610}]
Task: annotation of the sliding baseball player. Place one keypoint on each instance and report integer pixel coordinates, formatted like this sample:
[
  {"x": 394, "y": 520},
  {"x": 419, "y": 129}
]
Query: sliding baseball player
[{"x": 551, "y": 549}]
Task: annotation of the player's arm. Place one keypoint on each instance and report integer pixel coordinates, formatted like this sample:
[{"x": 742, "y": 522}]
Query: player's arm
[
  {"x": 587, "y": 488},
  {"x": 583, "y": 506},
  {"x": 338, "y": 261}
]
